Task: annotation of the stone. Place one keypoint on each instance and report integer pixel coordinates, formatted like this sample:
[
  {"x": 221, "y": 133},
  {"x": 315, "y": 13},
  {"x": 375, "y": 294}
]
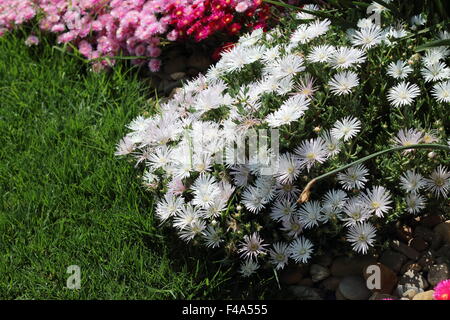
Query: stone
[
  {"x": 354, "y": 288},
  {"x": 426, "y": 260},
  {"x": 305, "y": 293},
  {"x": 419, "y": 244},
  {"x": 443, "y": 252},
  {"x": 345, "y": 266},
  {"x": 431, "y": 220},
  {"x": 318, "y": 272},
  {"x": 331, "y": 283},
  {"x": 381, "y": 296},
  {"x": 178, "y": 75},
  {"x": 442, "y": 231},
  {"x": 410, "y": 265},
  {"x": 324, "y": 260},
  {"x": 388, "y": 279},
  {"x": 404, "y": 232},
  {"x": 198, "y": 61},
  {"x": 177, "y": 64},
  {"x": 339, "y": 295},
  {"x": 291, "y": 275},
  {"x": 437, "y": 273},
  {"x": 393, "y": 260},
  {"x": 424, "y": 233},
  {"x": 427, "y": 295},
  {"x": 405, "y": 249},
  {"x": 306, "y": 282},
  {"x": 413, "y": 279},
  {"x": 403, "y": 288},
  {"x": 410, "y": 293}
]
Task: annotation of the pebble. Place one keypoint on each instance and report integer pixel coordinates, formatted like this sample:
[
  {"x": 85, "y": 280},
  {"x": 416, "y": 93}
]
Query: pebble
[
  {"x": 393, "y": 260},
  {"x": 414, "y": 279},
  {"x": 410, "y": 265},
  {"x": 324, "y": 260},
  {"x": 424, "y": 233},
  {"x": 331, "y": 283},
  {"x": 404, "y": 232},
  {"x": 437, "y": 273},
  {"x": 431, "y": 220},
  {"x": 306, "y": 282},
  {"x": 291, "y": 275},
  {"x": 345, "y": 266},
  {"x": 410, "y": 293},
  {"x": 419, "y": 244},
  {"x": 178, "y": 75},
  {"x": 442, "y": 231},
  {"x": 381, "y": 296},
  {"x": 426, "y": 260},
  {"x": 318, "y": 272},
  {"x": 354, "y": 288},
  {"x": 405, "y": 249},
  {"x": 427, "y": 295},
  {"x": 403, "y": 288},
  {"x": 305, "y": 293}
]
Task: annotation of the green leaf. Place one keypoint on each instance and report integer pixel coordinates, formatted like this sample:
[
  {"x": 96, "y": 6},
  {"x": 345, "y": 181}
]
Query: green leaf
[{"x": 432, "y": 44}]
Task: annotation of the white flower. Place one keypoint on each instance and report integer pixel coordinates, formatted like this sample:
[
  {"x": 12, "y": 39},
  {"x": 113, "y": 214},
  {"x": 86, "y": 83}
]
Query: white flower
[
  {"x": 292, "y": 226},
  {"x": 434, "y": 55},
  {"x": 411, "y": 181},
  {"x": 252, "y": 246},
  {"x": 212, "y": 237},
  {"x": 378, "y": 200},
  {"x": 318, "y": 28},
  {"x": 346, "y": 128},
  {"x": 301, "y": 35},
  {"x": 241, "y": 174},
  {"x": 160, "y": 157},
  {"x": 291, "y": 110},
  {"x": 286, "y": 191},
  {"x": 361, "y": 236},
  {"x": 125, "y": 146},
  {"x": 168, "y": 207},
  {"x": 333, "y": 203},
  {"x": 403, "y": 94},
  {"x": 415, "y": 203},
  {"x": 288, "y": 168},
  {"x": 283, "y": 209},
  {"x": 248, "y": 267},
  {"x": 301, "y": 15},
  {"x": 287, "y": 66},
  {"x": 435, "y": 72},
  {"x": 332, "y": 144},
  {"x": 253, "y": 199},
  {"x": 237, "y": 58},
  {"x": 344, "y": 57},
  {"x": 364, "y": 23},
  {"x": 368, "y": 37},
  {"x": 310, "y": 214},
  {"x": 343, "y": 82},
  {"x": 376, "y": 7},
  {"x": 439, "y": 182},
  {"x": 441, "y": 91},
  {"x": 354, "y": 177},
  {"x": 306, "y": 87},
  {"x": 301, "y": 249},
  {"x": 355, "y": 211},
  {"x": 418, "y": 20},
  {"x": 279, "y": 255},
  {"x": 311, "y": 152},
  {"x": 192, "y": 230},
  {"x": 321, "y": 53},
  {"x": 407, "y": 138},
  {"x": 187, "y": 215},
  {"x": 399, "y": 69},
  {"x": 206, "y": 190}
]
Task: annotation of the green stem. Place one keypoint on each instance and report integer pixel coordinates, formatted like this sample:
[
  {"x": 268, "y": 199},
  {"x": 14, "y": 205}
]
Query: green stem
[{"x": 305, "y": 194}]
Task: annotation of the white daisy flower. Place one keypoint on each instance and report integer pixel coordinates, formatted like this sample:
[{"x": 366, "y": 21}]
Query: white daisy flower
[
  {"x": 407, "y": 137},
  {"x": 212, "y": 237},
  {"x": 168, "y": 207},
  {"x": 252, "y": 246},
  {"x": 288, "y": 168},
  {"x": 368, "y": 37},
  {"x": 253, "y": 199},
  {"x": 287, "y": 191},
  {"x": 418, "y": 20},
  {"x": 237, "y": 58},
  {"x": 364, "y": 23},
  {"x": 441, "y": 91},
  {"x": 435, "y": 55},
  {"x": 412, "y": 182},
  {"x": 310, "y": 214},
  {"x": 160, "y": 157},
  {"x": 248, "y": 268},
  {"x": 403, "y": 94},
  {"x": 301, "y": 35},
  {"x": 283, "y": 210},
  {"x": 206, "y": 191},
  {"x": 125, "y": 146},
  {"x": 399, "y": 69},
  {"x": 355, "y": 210},
  {"x": 361, "y": 236},
  {"x": 306, "y": 87},
  {"x": 344, "y": 57},
  {"x": 301, "y": 250},
  {"x": 307, "y": 16},
  {"x": 333, "y": 203},
  {"x": 439, "y": 181},
  {"x": 186, "y": 216},
  {"x": 415, "y": 203},
  {"x": 346, "y": 128},
  {"x": 288, "y": 66},
  {"x": 354, "y": 177},
  {"x": 435, "y": 72},
  {"x": 343, "y": 82},
  {"x": 311, "y": 152},
  {"x": 377, "y": 200},
  {"x": 321, "y": 53},
  {"x": 292, "y": 227},
  {"x": 196, "y": 228},
  {"x": 291, "y": 110},
  {"x": 279, "y": 255},
  {"x": 240, "y": 174},
  {"x": 318, "y": 28}
]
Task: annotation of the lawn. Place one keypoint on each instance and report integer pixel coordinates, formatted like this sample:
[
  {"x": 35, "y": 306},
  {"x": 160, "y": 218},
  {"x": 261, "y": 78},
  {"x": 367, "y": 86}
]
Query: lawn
[{"x": 67, "y": 200}]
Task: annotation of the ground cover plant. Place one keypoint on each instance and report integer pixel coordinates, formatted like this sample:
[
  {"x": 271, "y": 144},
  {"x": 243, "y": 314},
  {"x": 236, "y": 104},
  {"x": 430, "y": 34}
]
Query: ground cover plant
[{"x": 336, "y": 94}]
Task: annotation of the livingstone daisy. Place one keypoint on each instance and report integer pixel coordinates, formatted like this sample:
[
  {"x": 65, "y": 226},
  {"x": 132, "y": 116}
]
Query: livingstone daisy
[
  {"x": 399, "y": 69},
  {"x": 354, "y": 177},
  {"x": 292, "y": 226},
  {"x": 248, "y": 268},
  {"x": 343, "y": 82},
  {"x": 321, "y": 53},
  {"x": 311, "y": 152},
  {"x": 283, "y": 209},
  {"x": 279, "y": 255},
  {"x": 288, "y": 168},
  {"x": 435, "y": 72},
  {"x": 408, "y": 137},
  {"x": 415, "y": 203},
  {"x": 412, "y": 182},
  {"x": 355, "y": 211},
  {"x": 361, "y": 236},
  {"x": 368, "y": 37},
  {"x": 403, "y": 94},
  {"x": 441, "y": 91},
  {"x": 442, "y": 290},
  {"x": 346, "y": 128},
  {"x": 310, "y": 214},
  {"x": 252, "y": 246},
  {"x": 301, "y": 249},
  {"x": 344, "y": 57},
  {"x": 377, "y": 200},
  {"x": 439, "y": 181},
  {"x": 212, "y": 237}
]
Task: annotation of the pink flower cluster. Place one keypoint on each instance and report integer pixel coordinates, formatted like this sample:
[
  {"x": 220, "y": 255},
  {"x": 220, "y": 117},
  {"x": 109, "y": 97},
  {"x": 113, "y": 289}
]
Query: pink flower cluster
[{"x": 105, "y": 28}]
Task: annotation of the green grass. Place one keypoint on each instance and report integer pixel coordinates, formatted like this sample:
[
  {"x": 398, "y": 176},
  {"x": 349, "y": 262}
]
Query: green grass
[{"x": 67, "y": 200}]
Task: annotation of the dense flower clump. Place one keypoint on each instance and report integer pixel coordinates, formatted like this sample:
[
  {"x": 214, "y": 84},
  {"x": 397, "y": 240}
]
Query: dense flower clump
[
  {"x": 324, "y": 96},
  {"x": 102, "y": 28}
]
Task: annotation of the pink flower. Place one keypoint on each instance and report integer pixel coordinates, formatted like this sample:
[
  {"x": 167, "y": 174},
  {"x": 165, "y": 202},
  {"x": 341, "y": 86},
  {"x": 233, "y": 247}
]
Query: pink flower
[
  {"x": 154, "y": 65},
  {"x": 241, "y": 6},
  {"x": 32, "y": 41},
  {"x": 442, "y": 290}
]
